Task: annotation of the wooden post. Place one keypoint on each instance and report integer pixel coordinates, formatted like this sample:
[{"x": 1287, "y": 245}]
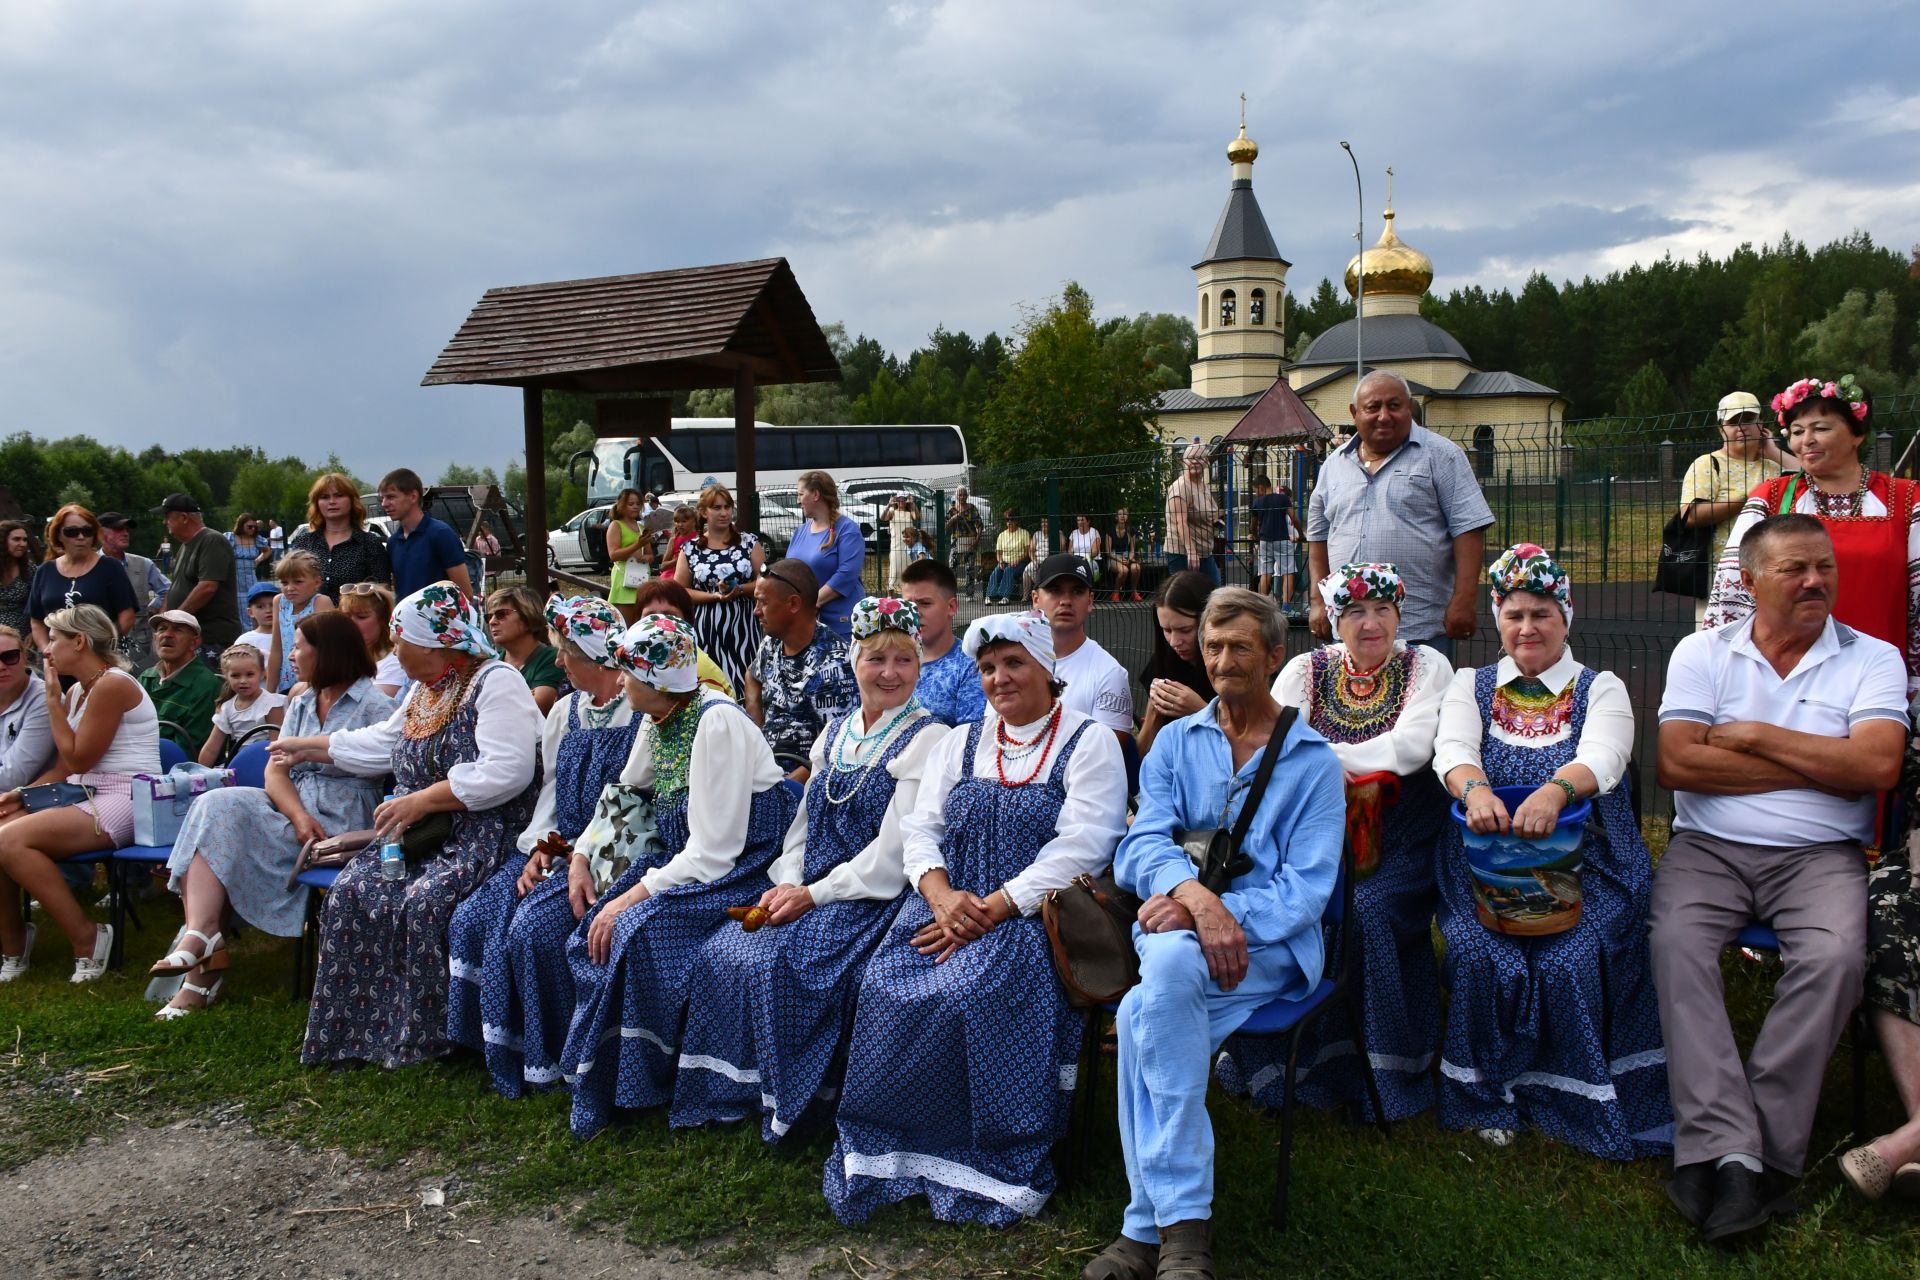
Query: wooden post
[
  {"x": 746, "y": 480},
  {"x": 534, "y": 420}
]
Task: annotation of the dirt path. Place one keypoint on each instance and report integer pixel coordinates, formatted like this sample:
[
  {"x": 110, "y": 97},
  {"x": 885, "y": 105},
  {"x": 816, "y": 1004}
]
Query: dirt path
[{"x": 264, "y": 1208}]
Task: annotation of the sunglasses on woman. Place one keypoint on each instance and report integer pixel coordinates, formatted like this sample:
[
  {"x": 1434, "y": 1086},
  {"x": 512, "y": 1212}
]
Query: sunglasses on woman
[
  {"x": 11, "y": 657},
  {"x": 76, "y": 531},
  {"x": 359, "y": 588}
]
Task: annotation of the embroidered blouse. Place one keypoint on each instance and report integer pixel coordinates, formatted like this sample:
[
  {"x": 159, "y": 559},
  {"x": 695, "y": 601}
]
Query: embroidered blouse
[
  {"x": 1539, "y": 713},
  {"x": 1395, "y": 737}
]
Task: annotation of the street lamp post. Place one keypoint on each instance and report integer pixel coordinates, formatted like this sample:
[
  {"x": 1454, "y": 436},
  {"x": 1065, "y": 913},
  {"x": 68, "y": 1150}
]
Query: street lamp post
[{"x": 1359, "y": 274}]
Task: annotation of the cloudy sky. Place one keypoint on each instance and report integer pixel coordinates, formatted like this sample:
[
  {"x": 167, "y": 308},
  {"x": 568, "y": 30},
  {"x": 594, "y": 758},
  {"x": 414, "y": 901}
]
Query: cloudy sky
[{"x": 260, "y": 221}]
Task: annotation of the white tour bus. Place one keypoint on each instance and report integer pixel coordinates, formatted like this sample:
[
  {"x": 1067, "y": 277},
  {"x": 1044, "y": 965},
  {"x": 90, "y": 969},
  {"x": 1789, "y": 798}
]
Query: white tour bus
[{"x": 699, "y": 452}]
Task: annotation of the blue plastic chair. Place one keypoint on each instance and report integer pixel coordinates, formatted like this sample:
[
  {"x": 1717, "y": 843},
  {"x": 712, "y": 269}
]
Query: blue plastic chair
[
  {"x": 1760, "y": 937},
  {"x": 1341, "y": 984},
  {"x": 250, "y": 765},
  {"x": 171, "y": 754},
  {"x": 306, "y": 948}
]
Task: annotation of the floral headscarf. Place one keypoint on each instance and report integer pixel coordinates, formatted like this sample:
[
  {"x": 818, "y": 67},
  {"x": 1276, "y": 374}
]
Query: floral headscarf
[
  {"x": 875, "y": 614},
  {"x": 1528, "y": 567},
  {"x": 1028, "y": 630},
  {"x": 1369, "y": 581},
  {"x": 659, "y": 651},
  {"x": 442, "y": 617},
  {"x": 590, "y": 623}
]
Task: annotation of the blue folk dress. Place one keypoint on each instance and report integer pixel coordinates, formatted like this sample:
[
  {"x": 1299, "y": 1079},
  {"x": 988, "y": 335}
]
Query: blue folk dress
[
  {"x": 768, "y": 1018},
  {"x": 485, "y": 1008},
  {"x": 623, "y": 1043},
  {"x": 1395, "y": 906},
  {"x": 380, "y": 984},
  {"x": 1557, "y": 1033},
  {"x": 960, "y": 1075}
]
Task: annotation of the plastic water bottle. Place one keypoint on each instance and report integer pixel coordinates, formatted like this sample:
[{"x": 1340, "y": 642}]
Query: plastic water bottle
[{"x": 393, "y": 861}]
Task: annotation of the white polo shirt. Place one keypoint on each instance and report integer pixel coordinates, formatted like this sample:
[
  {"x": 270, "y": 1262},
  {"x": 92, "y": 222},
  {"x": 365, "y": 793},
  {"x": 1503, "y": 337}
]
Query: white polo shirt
[
  {"x": 1717, "y": 677},
  {"x": 1097, "y": 686}
]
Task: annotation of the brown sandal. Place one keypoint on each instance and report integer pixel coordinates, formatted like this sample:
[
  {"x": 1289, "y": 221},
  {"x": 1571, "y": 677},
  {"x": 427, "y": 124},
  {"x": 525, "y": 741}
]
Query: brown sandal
[
  {"x": 1124, "y": 1259},
  {"x": 1186, "y": 1251}
]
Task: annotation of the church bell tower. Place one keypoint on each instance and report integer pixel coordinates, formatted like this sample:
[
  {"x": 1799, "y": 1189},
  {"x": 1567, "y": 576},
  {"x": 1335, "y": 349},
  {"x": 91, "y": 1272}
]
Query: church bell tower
[{"x": 1242, "y": 288}]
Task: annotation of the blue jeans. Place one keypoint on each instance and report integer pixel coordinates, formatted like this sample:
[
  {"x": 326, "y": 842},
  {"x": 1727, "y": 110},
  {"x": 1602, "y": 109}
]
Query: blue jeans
[
  {"x": 1208, "y": 565},
  {"x": 1003, "y": 581}
]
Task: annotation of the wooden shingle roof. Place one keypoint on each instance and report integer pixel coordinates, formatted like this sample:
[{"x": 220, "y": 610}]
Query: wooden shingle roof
[
  {"x": 1281, "y": 415},
  {"x": 656, "y": 331}
]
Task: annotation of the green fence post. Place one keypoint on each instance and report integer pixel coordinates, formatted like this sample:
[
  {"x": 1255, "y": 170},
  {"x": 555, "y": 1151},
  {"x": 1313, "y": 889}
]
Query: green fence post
[
  {"x": 1053, "y": 514},
  {"x": 1559, "y": 515},
  {"x": 1606, "y": 521},
  {"x": 1507, "y": 524},
  {"x": 940, "y": 525}
]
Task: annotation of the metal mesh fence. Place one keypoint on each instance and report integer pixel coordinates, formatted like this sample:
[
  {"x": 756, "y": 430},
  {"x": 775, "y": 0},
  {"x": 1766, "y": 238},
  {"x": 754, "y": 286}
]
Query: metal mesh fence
[{"x": 1594, "y": 492}]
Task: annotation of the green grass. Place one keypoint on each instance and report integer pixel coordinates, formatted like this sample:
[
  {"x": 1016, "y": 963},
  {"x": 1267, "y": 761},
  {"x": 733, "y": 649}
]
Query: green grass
[{"x": 79, "y": 1061}]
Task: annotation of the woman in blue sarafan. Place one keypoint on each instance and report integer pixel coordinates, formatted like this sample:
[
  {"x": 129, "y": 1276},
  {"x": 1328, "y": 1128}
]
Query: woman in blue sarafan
[
  {"x": 1556, "y": 1032},
  {"x": 723, "y": 813},
  {"x": 770, "y": 1009},
  {"x": 519, "y": 919},
  {"x": 463, "y": 743},
  {"x": 960, "y": 1067},
  {"x": 1376, "y": 700}
]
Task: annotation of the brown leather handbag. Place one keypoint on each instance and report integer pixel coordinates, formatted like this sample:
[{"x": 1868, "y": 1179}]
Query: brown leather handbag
[
  {"x": 1090, "y": 927},
  {"x": 330, "y": 854}
]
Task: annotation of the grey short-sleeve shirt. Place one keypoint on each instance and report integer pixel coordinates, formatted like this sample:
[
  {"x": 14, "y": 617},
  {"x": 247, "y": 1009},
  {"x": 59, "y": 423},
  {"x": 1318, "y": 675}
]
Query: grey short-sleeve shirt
[{"x": 1407, "y": 514}]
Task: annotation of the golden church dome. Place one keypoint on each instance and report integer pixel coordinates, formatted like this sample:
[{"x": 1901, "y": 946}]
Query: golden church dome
[
  {"x": 1243, "y": 150},
  {"x": 1392, "y": 267}
]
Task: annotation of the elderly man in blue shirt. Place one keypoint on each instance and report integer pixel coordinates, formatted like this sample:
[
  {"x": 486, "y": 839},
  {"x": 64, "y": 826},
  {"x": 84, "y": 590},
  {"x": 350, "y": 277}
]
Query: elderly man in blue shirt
[{"x": 1207, "y": 959}]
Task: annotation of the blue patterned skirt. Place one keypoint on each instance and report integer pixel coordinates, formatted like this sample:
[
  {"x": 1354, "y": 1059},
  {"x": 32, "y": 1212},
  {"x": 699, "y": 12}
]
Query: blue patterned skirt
[
  {"x": 768, "y": 1021},
  {"x": 623, "y": 1043},
  {"x": 959, "y": 1077}
]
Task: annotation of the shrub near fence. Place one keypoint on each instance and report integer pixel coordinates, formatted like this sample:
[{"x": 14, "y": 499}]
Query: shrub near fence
[{"x": 1596, "y": 493}]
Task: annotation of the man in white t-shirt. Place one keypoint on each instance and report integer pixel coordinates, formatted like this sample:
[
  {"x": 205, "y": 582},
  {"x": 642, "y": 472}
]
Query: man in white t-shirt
[
  {"x": 1775, "y": 735},
  {"x": 1097, "y": 685}
]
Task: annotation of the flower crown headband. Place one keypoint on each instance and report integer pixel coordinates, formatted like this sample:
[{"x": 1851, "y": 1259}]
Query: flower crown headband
[{"x": 1846, "y": 390}]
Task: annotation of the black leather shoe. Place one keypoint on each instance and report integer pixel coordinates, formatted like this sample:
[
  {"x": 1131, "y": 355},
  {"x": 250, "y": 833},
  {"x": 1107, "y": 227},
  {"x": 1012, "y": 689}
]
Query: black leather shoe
[
  {"x": 1740, "y": 1207},
  {"x": 1691, "y": 1190}
]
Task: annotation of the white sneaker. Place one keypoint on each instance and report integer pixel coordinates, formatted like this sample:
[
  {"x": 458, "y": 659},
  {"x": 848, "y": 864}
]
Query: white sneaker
[
  {"x": 87, "y": 968},
  {"x": 12, "y": 967}
]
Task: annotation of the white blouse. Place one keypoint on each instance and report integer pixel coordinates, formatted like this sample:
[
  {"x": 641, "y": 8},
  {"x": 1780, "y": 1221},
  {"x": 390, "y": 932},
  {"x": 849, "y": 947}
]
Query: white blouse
[
  {"x": 1408, "y": 745},
  {"x": 507, "y": 733},
  {"x": 1091, "y": 821},
  {"x": 731, "y": 765},
  {"x": 1603, "y": 747},
  {"x": 550, "y": 735},
  {"x": 877, "y": 871}
]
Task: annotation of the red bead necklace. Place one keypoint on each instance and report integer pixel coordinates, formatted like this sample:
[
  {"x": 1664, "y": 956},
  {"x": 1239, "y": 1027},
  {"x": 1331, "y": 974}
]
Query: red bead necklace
[{"x": 1002, "y": 740}]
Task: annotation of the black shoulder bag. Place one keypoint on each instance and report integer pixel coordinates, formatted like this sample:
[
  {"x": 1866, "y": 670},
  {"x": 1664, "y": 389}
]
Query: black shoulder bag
[{"x": 1686, "y": 552}]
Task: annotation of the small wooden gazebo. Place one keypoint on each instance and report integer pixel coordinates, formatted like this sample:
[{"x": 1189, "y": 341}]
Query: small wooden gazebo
[
  {"x": 1278, "y": 417},
  {"x": 738, "y": 324}
]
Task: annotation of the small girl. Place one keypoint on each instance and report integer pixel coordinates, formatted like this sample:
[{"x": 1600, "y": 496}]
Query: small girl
[
  {"x": 915, "y": 546},
  {"x": 299, "y": 578},
  {"x": 248, "y": 708},
  {"x": 686, "y": 528}
]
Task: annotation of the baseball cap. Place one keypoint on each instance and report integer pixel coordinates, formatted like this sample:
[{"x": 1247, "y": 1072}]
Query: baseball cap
[
  {"x": 115, "y": 521},
  {"x": 1735, "y": 403},
  {"x": 1064, "y": 565},
  {"x": 184, "y": 502},
  {"x": 259, "y": 589},
  {"x": 178, "y": 617}
]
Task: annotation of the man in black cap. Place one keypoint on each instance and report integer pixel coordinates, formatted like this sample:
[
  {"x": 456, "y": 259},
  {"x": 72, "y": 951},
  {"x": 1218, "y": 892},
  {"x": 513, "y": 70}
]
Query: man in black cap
[
  {"x": 203, "y": 576},
  {"x": 1097, "y": 685},
  {"x": 149, "y": 584}
]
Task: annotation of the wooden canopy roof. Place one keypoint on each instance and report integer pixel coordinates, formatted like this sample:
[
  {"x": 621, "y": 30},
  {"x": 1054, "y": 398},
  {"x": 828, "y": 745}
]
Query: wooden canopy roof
[
  {"x": 657, "y": 331},
  {"x": 1280, "y": 415}
]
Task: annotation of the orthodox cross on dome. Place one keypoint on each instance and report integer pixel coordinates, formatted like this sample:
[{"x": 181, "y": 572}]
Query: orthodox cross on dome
[
  {"x": 1243, "y": 113},
  {"x": 1389, "y": 186}
]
